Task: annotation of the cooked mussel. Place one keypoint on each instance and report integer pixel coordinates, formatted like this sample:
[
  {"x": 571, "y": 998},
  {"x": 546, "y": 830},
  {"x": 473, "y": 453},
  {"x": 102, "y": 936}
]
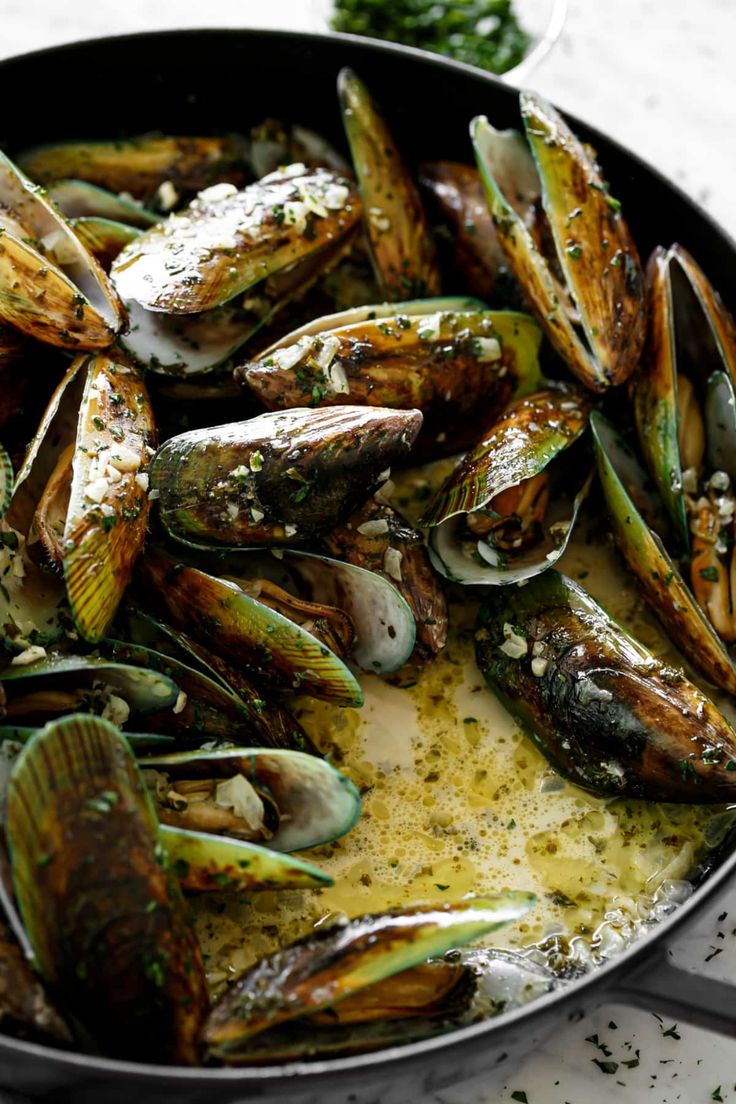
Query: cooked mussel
[
  {"x": 377, "y": 538},
  {"x": 102, "y": 911},
  {"x": 439, "y": 361},
  {"x": 151, "y": 167},
  {"x": 352, "y": 611},
  {"x": 337, "y": 963},
  {"x": 285, "y": 799},
  {"x": 219, "y": 614},
  {"x": 227, "y": 241},
  {"x": 38, "y": 686},
  {"x": 222, "y": 702},
  {"x": 507, "y": 511},
  {"x": 104, "y": 238},
  {"x": 278, "y": 478},
  {"x": 51, "y": 287},
  {"x": 78, "y": 199},
  {"x": 606, "y": 714},
  {"x": 639, "y": 526},
  {"x": 581, "y": 274},
  {"x": 83, "y": 489},
  {"x": 402, "y": 248},
  {"x": 418, "y": 1003}
]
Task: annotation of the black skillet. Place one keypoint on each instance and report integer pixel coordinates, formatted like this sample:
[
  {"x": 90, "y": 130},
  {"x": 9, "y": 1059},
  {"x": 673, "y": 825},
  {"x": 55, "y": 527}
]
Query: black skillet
[{"x": 225, "y": 80}]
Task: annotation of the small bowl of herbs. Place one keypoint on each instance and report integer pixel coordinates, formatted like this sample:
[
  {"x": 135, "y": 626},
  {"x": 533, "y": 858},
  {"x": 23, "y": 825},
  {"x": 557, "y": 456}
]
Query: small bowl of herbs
[{"x": 506, "y": 37}]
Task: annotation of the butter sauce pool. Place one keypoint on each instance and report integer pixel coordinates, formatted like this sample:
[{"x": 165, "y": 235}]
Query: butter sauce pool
[{"x": 457, "y": 800}]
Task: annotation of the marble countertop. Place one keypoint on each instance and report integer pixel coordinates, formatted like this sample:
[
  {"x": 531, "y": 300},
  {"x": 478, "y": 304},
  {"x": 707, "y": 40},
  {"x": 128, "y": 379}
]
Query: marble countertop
[{"x": 660, "y": 77}]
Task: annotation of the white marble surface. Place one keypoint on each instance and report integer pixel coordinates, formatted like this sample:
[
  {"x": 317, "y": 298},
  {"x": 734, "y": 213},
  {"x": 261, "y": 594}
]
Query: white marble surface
[{"x": 660, "y": 76}]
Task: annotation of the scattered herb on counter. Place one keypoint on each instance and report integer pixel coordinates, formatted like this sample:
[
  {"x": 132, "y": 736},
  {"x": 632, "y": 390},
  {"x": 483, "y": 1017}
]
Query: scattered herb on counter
[{"x": 485, "y": 33}]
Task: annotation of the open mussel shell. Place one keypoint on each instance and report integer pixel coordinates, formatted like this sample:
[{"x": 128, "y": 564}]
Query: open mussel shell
[
  {"x": 377, "y": 538},
  {"x": 139, "y": 741},
  {"x": 51, "y": 287},
  {"x": 526, "y": 443},
  {"x": 312, "y": 802},
  {"x": 104, "y": 238},
  {"x": 78, "y": 199},
  {"x": 6, "y": 480},
  {"x": 335, "y": 963},
  {"x": 384, "y": 627},
  {"x": 279, "y": 478},
  {"x": 444, "y": 361},
  {"x": 401, "y": 244},
  {"x": 605, "y": 713},
  {"x": 50, "y": 685},
  {"x": 103, "y": 913},
  {"x": 228, "y": 622},
  {"x": 105, "y": 523},
  {"x": 590, "y": 300},
  {"x": 139, "y": 166},
  {"x": 227, "y": 241},
  {"x": 205, "y": 863},
  {"x": 418, "y": 1003},
  {"x": 625, "y": 484},
  {"x": 691, "y": 342},
  {"x": 269, "y": 723}
]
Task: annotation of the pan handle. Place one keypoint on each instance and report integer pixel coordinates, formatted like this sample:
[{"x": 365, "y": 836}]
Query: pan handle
[{"x": 698, "y": 1000}]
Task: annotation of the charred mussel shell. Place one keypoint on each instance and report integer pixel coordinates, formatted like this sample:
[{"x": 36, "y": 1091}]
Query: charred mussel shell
[
  {"x": 279, "y": 478},
  {"x": 523, "y": 449},
  {"x": 109, "y": 933},
  {"x": 589, "y": 296},
  {"x": 606, "y": 714}
]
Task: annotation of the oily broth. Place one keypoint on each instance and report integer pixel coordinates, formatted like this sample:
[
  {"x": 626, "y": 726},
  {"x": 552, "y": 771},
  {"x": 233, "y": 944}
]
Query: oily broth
[{"x": 457, "y": 800}]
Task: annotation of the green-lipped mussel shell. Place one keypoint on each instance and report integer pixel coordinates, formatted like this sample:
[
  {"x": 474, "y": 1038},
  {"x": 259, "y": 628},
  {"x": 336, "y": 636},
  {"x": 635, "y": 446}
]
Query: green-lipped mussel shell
[
  {"x": 102, "y": 911},
  {"x": 385, "y": 632},
  {"x": 230, "y": 623},
  {"x": 56, "y": 684},
  {"x": 690, "y": 331},
  {"x": 414, "y": 1004},
  {"x": 6, "y": 480},
  {"x": 227, "y": 241},
  {"x": 595, "y": 250},
  {"x": 541, "y": 287},
  {"x": 335, "y": 963},
  {"x": 605, "y": 713},
  {"x": 186, "y": 345},
  {"x": 269, "y": 722},
  {"x": 108, "y": 505},
  {"x": 206, "y": 863},
  {"x": 139, "y": 741},
  {"x": 78, "y": 199},
  {"x": 447, "y": 361},
  {"x": 139, "y": 166},
  {"x": 317, "y": 804},
  {"x": 375, "y": 536},
  {"x": 520, "y": 444},
  {"x": 207, "y": 710},
  {"x": 103, "y": 237},
  {"x": 284, "y": 477},
  {"x": 661, "y": 583},
  {"x": 401, "y": 244},
  {"x": 51, "y": 287}
]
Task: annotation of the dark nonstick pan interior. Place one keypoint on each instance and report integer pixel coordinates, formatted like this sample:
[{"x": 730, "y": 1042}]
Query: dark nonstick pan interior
[{"x": 226, "y": 80}]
